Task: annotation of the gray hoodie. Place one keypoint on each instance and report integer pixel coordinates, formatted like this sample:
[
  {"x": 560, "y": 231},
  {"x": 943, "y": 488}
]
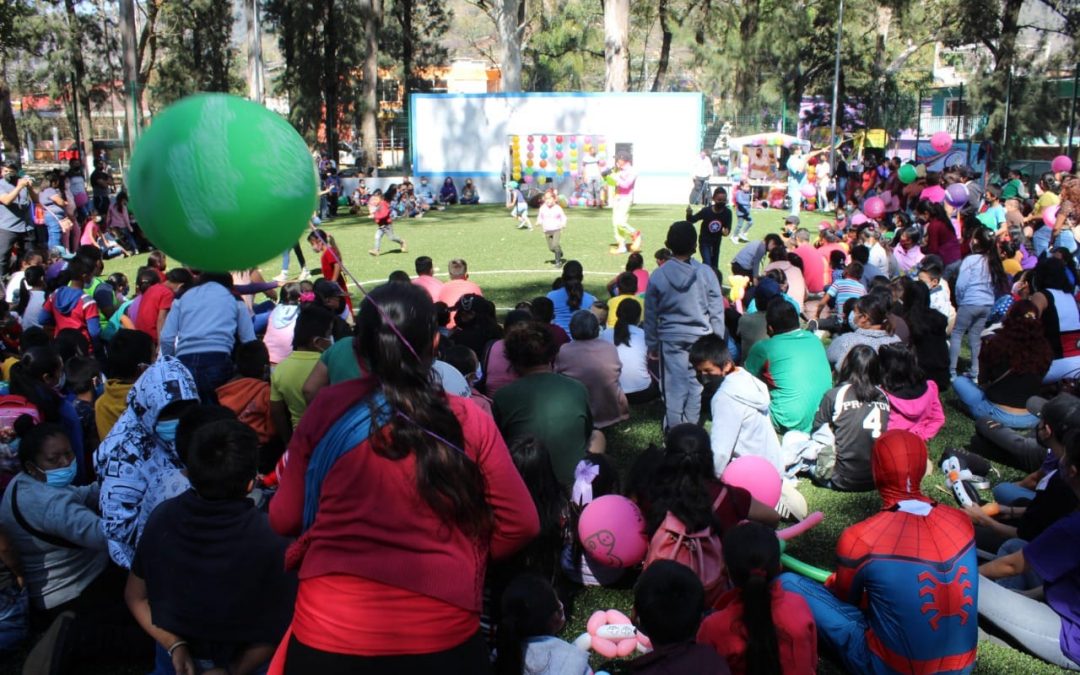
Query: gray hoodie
[
  {"x": 741, "y": 425},
  {"x": 683, "y": 302}
]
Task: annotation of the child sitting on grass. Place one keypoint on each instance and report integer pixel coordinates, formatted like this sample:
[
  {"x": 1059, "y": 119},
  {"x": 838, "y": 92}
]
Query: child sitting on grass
[
  {"x": 668, "y": 605},
  {"x": 758, "y": 626},
  {"x": 312, "y": 337},
  {"x": 248, "y": 395},
  {"x": 208, "y": 580},
  {"x": 532, "y": 616}
]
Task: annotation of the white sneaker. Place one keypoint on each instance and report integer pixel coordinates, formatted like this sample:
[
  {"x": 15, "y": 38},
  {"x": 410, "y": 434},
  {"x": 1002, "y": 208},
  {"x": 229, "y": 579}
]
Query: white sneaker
[
  {"x": 282, "y": 278},
  {"x": 304, "y": 275}
]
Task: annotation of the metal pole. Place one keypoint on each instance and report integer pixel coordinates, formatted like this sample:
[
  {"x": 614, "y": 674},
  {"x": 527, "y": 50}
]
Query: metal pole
[
  {"x": 1072, "y": 109},
  {"x": 836, "y": 88},
  {"x": 918, "y": 125}
]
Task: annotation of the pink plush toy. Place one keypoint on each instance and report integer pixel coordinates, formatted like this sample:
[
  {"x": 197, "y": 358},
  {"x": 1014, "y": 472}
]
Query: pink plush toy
[{"x": 611, "y": 634}]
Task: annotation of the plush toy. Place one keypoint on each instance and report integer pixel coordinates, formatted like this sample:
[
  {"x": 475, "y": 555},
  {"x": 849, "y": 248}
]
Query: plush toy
[
  {"x": 738, "y": 290},
  {"x": 611, "y": 634}
]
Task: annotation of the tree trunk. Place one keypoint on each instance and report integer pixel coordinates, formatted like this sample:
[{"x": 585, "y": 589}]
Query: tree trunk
[
  {"x": 80, "y": 96},
  {"x": 1003, "y": 65},
  {"x": 8, "y": 130},
  {"x": 372, "y": 11},
  {"x": 330, "y": 79},
  {"x": 130, "y": 94},
  {"x": 506, "y": 16},
  {"x": 254, "y": 42},
  {"x": 406, "y": 20},
  {"x": 617, "y": 44},
  {"x": 665, "y": 47},
  {"x": 746, "y": 76}
]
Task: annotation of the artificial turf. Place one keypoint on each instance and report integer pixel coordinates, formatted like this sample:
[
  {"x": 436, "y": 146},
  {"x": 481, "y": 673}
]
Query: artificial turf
[{"x": 512, "y": 265}]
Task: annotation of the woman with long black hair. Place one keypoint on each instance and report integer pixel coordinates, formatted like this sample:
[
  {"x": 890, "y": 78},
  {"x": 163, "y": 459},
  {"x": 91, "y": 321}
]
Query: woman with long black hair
[
  {"x": 759, "y": 627},
  {"x": 570, "y": 296},
  {"x": 399, "y": 494}
]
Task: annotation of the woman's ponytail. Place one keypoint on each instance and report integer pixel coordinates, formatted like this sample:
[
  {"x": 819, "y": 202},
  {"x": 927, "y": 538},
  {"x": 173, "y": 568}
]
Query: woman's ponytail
[{"x": 752, "y": 557}]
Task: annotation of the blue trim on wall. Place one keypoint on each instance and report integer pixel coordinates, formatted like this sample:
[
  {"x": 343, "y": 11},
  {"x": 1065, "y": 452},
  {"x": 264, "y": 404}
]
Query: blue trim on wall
[
  {"x": 496, "y": 174},
  {"x": 565, "y": 94}
]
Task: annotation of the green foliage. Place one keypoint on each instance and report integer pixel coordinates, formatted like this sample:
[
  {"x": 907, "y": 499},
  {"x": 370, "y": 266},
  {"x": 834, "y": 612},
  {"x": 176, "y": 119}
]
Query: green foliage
[
  {"x": 196, "y": 39},
  {"x": 565, "y": 47},
  {"x": 321, "y": 42}
]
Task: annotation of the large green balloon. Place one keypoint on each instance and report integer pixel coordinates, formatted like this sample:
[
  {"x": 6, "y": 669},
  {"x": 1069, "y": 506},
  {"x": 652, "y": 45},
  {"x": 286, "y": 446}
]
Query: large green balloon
[
  {"x": 908, "y": 174},
  {"x": 221, "y": 183}
]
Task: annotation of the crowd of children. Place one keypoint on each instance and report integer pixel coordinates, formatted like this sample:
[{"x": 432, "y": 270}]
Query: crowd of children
[{"x": 301, "y": 486}]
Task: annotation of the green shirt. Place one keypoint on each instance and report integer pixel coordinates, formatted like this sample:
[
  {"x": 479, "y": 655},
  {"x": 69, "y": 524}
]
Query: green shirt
[
  {"x": 795, "y": 368},
  {"x": 287, "y": 382},
  {"x": 553, "y": 408},
  {"x": 1011, "y": 189},
  {"x": 340, "y": 361}
]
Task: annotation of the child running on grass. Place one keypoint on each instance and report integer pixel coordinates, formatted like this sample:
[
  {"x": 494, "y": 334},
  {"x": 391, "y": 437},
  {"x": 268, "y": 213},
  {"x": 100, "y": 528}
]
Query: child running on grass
[
  {"x": 552, "y": 220},
  {"x": 384, "y": 220},
  {"x": 519, "y": 207},
  {"x": 744, "y": 195}
]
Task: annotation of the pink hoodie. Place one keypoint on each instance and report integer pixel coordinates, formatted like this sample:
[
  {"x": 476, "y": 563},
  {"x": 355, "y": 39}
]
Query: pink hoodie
[{"x": 922, "y": 416}]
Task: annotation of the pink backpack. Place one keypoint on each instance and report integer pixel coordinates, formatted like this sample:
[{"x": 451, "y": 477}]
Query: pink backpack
[{"x": 700, "y": 551}]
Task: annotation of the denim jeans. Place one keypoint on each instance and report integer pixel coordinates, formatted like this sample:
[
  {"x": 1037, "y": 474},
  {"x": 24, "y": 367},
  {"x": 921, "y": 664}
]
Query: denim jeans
[
  {"x": 14, "y": 617},
  {"x": 1034, "y": 624},
  {"x": 56, "y": 233},
  {"x": 840, "y": 625},
  {"x": 210, "y": 370},
  {"x": 1011, "y": 494},
  {"x": 974, "y": 399},
  {"x": 1020, "y": 582},
  {"x": 970, "y": 320},
  {"x": 841, "y": 192}
]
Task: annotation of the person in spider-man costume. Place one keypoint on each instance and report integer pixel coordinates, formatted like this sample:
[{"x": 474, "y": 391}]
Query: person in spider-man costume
[{"x": 905, "y": 592}]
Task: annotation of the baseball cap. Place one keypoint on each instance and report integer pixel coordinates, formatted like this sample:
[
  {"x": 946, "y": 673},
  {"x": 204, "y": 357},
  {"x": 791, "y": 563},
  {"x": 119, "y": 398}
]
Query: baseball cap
[
  {"x": 766, "y": 290},
  {"x": 471, "y": 302},
  {"x": 794, "y": 220},
  {"x": 325, "y": 288}
]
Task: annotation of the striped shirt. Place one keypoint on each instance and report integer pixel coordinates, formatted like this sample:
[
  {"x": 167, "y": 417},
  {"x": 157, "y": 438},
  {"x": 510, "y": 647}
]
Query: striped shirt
[{"x": 844, "y": 289}]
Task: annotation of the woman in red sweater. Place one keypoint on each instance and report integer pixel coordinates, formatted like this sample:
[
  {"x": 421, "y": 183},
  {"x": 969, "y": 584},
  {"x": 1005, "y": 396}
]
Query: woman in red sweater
[
  {"x": 758, "y": 627},
  {"x": 399, "y": 494},
  {"x": 940, "y": 236}
]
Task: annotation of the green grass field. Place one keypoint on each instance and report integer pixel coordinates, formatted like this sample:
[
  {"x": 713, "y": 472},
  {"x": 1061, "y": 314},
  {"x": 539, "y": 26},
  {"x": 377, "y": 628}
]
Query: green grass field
[{"x": 510, "y": 265}]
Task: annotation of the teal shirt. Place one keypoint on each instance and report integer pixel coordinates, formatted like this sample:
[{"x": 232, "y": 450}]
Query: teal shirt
[
  {"x": 340, "y": 361},
  {"x": 795, "y": 368}
]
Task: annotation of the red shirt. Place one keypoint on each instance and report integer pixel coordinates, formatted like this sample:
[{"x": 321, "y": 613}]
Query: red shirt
[
  {"x": 796, "y": 634},
  {"x": 382, "y": 214},
  {"x": 154, "y": 299},
  {"x": 372, "y": 523},
  {"x": 328, "y": 261},
  {"x": 84, "y": 309},
  {"x": 813, "y": 267}
]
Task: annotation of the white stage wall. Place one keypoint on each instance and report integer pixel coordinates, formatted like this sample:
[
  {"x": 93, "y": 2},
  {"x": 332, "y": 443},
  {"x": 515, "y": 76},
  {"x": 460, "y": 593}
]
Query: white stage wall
[{"x": 467, "y": 135}]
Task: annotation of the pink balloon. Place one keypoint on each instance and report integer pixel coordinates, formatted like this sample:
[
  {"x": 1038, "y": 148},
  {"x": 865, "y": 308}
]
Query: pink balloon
[
  {"x": 941, "y": 141},
  {"x": 1050, "y": 214},
  {"x": 528, "y": 179},
  {"x": 808, "y": 191},
  {"x": 874, "y": 208},
  {"x": 858, "y": 219},
  {"x": 757, "y": 475},
  {"x": 612, "y": 530},
  {"x": 1061, "y": 164}
]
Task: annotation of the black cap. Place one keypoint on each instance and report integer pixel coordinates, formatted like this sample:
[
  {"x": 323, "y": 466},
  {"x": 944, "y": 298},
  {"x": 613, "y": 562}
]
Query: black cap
[{"x": 325, "y": 288}]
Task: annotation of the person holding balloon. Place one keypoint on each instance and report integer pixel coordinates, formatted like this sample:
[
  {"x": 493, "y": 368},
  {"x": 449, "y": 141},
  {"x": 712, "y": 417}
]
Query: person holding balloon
[
  {"x": 623, "y": 178},
  {"x": 869, "y": 610},
  {"x": 796, "y": 168}
]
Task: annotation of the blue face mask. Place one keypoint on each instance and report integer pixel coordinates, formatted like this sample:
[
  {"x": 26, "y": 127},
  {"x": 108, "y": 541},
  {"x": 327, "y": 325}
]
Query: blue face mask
[
  {"x": 99, "y": 388},
  {"x": 59, "y": 477},
  {"x": 166, "y": 430}
]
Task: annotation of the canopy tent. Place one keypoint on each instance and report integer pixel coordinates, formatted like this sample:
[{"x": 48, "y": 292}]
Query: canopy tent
[{"x": 773, "y": 139}]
